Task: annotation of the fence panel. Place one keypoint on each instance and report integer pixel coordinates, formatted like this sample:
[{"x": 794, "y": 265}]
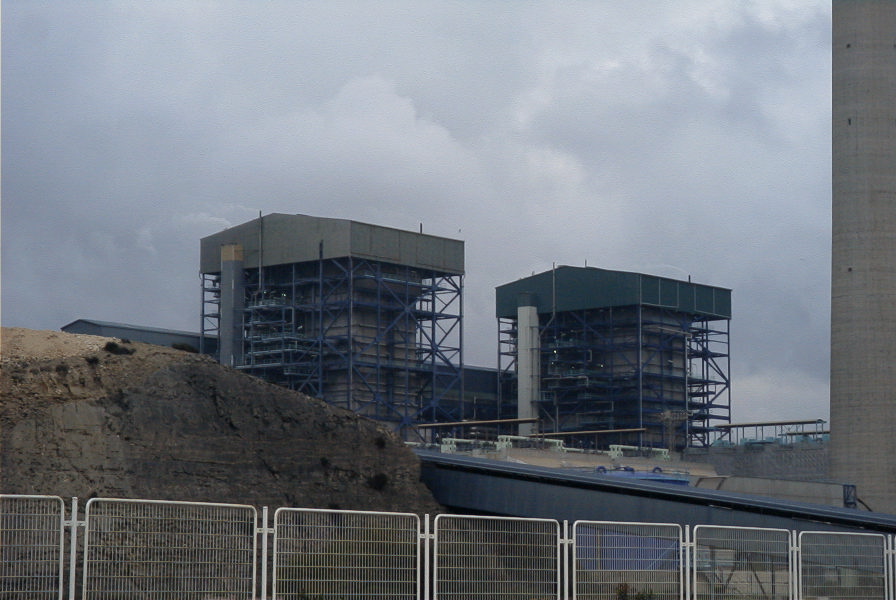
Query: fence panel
[
  {"x": 734, "y": 563},
  {"x": 145, "y": 549},
  {"x": 32, "y": 540},
  {"x": 339, "y": 554},
  {"x": 496, "y": 558},
  {"x": 626, "y": 560},
  {"x": 168, "y": 550},
  {"x": 842, "y": 565}
]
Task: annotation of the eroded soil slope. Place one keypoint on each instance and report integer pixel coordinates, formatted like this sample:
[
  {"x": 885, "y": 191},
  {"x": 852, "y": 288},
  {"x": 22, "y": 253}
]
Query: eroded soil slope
[{"x": 89, "y": 416}]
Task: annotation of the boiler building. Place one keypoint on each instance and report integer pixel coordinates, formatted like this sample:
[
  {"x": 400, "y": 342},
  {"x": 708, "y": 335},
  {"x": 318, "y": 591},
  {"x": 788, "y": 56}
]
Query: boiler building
[
  {"x": 368, "y": 318},
  {"x": 641, "y": 359}
]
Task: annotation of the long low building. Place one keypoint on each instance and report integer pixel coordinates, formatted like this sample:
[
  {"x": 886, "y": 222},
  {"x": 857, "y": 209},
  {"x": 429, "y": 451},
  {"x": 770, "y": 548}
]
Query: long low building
[{"x": 140, "y": 333}]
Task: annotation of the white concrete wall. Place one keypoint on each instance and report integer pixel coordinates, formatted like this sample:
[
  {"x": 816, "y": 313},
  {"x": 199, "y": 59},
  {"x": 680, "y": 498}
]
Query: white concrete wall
[
  {"x": 230, "y": 325},
  {"x": 528, "y": 364}
]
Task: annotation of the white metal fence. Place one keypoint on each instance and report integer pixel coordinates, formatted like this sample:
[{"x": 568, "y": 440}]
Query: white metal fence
[
  {"x": 344, "y": 554},
  {"x": 31, "y": 547},
  {"x": 845, "y": 565},
  {"x": 617, "y": 560},
  {"x": 168, "y": 550},
  {"x": 144, "y": 549},
  {"x": 496, "y": 558}
]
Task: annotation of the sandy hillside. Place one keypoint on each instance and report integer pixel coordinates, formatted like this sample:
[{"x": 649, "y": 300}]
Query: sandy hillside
[{"x": 85, "y": 416}]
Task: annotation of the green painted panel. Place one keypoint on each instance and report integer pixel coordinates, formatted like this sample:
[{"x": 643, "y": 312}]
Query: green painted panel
[
  {"x": 670, "y": 292},
  {"x": 705, "y": 300},
  {"x": 723, "y": 302},
  {"x": 652, "y": 290},
  {"x": 299, "y": 238},
  {"x": 579, "y": 288}
]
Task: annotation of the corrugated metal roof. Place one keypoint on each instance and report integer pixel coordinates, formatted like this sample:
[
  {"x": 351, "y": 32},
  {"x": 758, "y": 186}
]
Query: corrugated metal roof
[
  {"x": 490, "y": 486},
  {"x": 569, "y": 288},
  {"x": 287, "y": 239},
  {"x": 93, "y": 325}
]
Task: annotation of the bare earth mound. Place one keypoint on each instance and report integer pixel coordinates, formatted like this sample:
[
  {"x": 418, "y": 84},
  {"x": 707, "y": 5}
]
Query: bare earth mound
[{"x": 88, "y": 416}]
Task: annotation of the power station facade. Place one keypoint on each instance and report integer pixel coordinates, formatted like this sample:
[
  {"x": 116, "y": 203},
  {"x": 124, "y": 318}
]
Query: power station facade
[
  {"x": 640, "y": 358},
  {"x": 369, "y": 318},
  {"x": 863, "y": 270},
  {"x": 365, "y": 317}
]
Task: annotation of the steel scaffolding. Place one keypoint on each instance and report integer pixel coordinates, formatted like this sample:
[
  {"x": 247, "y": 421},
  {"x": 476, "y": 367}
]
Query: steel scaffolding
[
  {"x": 380, "y": 339},
  {"x": 664, "y": 371}
]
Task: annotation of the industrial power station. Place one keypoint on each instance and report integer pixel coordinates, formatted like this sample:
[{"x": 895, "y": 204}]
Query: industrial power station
[
  {"x": 369, "y": 318},
  {"x": 365, "y": 317},
  {"x": 640, "y": 358}
]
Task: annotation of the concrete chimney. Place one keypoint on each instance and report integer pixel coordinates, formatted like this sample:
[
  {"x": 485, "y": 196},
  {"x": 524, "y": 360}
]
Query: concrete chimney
[{"x": 863, "y": 270}]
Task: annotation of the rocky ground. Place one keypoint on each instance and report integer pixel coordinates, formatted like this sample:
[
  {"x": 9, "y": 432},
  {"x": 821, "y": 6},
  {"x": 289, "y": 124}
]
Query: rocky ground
[{"x": 88, "y": 416}]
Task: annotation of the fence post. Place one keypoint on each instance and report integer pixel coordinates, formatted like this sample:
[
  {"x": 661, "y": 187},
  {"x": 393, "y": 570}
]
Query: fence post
[
  {"x": 264, "y": 552},
  {"x": 795, "y": 591},
  {"x": 686, "y": 559},
  {"x": 889, "y": 567},
  {"x": 567, "y": 568},
  {"x": 73, "y": 524},
  {"x": 424, "y": 579}
]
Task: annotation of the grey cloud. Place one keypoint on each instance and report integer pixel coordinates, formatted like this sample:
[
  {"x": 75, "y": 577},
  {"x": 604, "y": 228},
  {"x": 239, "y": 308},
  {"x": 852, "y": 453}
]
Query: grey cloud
[{"x": 690, "y": 134}]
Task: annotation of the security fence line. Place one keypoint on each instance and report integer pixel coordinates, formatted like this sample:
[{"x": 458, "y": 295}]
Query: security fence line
[{"x": 148, "y": 549}]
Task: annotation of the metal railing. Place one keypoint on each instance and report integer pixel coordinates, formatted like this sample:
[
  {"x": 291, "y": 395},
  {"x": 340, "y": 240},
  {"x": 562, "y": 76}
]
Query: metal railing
[
  {"x": 730, "y": 563},
  {"x": 176, "y": 550},
  {"x": 495, "y": 557},
  {"x": 343, "y": 554},
  {"x": 845, "y": 565},
  {"x": 149, "y": 549},
  {"x": 613, "y": 560},
  {"x": 32, "y": 530}
]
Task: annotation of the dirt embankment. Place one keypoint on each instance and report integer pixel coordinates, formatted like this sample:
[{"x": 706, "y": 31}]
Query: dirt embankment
[{"x": 89, "y": 416}]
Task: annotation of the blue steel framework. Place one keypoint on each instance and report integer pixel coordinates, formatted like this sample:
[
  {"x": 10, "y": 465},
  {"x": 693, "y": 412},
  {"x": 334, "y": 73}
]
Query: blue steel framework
[
  {"x": 625, "y": 368},
  {"x": 380, "y": 339}
]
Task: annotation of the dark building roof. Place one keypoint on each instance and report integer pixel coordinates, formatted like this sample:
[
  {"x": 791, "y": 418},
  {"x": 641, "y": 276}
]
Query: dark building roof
[
  {"x": 287, "y": 239},
  {"x": 139, "y": 333},
  {"x": 568, "y": 288}
]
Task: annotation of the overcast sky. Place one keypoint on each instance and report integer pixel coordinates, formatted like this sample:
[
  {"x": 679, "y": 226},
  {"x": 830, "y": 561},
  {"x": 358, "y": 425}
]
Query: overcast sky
[{"x": 676, "y": 138}]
